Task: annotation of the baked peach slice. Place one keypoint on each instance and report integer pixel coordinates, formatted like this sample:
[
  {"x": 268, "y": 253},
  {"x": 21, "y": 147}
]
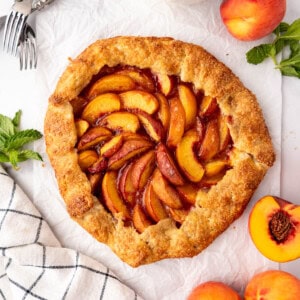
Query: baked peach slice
[
  {"x": 167, "y": 165},
  {"x": 165, "y": 83},
  {"x": 78, "y": 104},
  {"x": 177, "y": 122},
  {"x": 111, "y": 196},
  {"x": 188, "y": 193},
  {"x": 165, "y": 192},
  {"x": 152, "y": 126},
  {"x": 139, "y": 218},
  {"x": 186, "y": 156},
  {"x": 81, "y": 127},
  {"x": 224, "y": 133},
  {"x": 140, "y": 78},
  {"x": 87, "y": 158},
  {"x": 121, "y": 121},
  {"x": 139, "y": 100},
  {"x": 178, "y": 215},
  {"x": 111, "y": 83},
  {"x": 163, "y": 113},
  {"x": 211, "y": 142},
  {"x": 274, "y": 226},
  {"x": 128, "y": 150},
  {"x": 95, "y": 182},
  {"x": 93, "y": 137},
  {"x": 99, "y": 165},
  {"x": 214, "y": 167},
  {"x": 189, "y": 103},
  {"x": 101, "y": 105},
  {"x": 153, "y": 205},
  {"x": 112, "y": 146},
  {"x": 142, "y": 169},
  {"x": 125, "y": 185},
  {"x": 208, "y": 106}
]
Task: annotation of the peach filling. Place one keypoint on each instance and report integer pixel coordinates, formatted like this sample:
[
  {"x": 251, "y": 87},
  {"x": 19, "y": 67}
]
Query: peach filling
[{"x": 148, "y": 143}]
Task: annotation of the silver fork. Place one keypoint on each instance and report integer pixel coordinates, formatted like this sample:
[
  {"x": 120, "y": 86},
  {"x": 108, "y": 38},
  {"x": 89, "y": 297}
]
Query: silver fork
[
  {"x": 14, "y": 25},
  {"x": 27, "y": 49}
]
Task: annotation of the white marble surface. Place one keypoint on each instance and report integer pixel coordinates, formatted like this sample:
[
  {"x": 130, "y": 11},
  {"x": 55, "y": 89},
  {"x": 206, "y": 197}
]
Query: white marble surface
[{"x": 62, "y": 34}]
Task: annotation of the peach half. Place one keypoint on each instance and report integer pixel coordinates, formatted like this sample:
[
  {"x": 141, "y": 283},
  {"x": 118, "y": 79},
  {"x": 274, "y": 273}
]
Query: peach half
[{"x": 274, "y": 226}]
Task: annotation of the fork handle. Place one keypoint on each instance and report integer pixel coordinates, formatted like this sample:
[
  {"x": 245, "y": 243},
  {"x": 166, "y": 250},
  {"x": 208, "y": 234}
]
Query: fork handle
[{"x": 38, "y": 5}]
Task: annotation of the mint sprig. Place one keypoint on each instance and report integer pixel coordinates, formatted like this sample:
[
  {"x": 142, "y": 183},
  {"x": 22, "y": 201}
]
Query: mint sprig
[
  {"x": 286, "y": 37},
  {"x": 12, "y": 141}
]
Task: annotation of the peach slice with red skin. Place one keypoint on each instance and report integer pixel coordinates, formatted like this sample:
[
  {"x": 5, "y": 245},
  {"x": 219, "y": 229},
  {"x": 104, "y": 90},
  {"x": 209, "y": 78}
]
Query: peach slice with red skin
[
  {"x": 111, "y": 195},
  {"x": 208, "y": 106},
  {"x": 139, "y": 100},
  {"x": 224, "y": 133},
  {"x": 125, "y": 185},
  {"x": 128, "y": 150},
  {"x": 274, "y": 226},
  {"x": 213, "y": 290},
  {"x": 101, "y": 105},
  {"x": 152, "y": 126},
  {"x": 211, "y": 141},
  {"x": 271, "y": 285},
  {"x": 139, "y": 218},
  {"x": 121, "y": 121},
  {"x": 188, "y": 193},
  {"x": 142, "y": 170},
  {"x": 111, "y": 83},
  {"x": 111, "y": 146},
  {"x": 98, "y": 166},
  {"x": 140, "y": 78},
  {"x": 167, "y": 165},
  {"x": 87, "y": 158},
  {"x": 165, "y": 192},
  {"x": 189, "y": 103},
  {"x": 163, "y": 113},
  {"x": 153, "y": 205},
  {"x": 186, "y": 156},
  {"x": 93, "y": 137},
  {"x": 81, "y": 127},
  {"x": 165, "y": 83},
  {"x": 177, "y": 123},
  {"x": 178, "y": 215}
]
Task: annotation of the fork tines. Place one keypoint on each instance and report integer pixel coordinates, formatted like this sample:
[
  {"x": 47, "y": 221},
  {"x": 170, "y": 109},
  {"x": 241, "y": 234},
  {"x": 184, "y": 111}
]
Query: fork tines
[{"x": 13, "y": 28}]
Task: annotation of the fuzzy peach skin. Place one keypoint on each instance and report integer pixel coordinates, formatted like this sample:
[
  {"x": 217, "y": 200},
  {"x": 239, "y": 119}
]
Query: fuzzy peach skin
[
  {"x": 274, "y": 226},
  {"x": 252, "y": 19},
  {"x": 273, "y": 285},
  {"x": 213, "y": 290}
]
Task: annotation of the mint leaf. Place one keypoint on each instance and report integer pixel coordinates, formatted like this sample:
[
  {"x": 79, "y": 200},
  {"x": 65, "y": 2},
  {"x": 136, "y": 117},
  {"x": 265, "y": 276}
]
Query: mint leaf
[
  {"x": 28, "y": 154},
  {"x": 3, "y": 157},
  {"x": 7, "y": 127},
  {"x": 287, "y": 38},
  {"x": 12, "y": 140},
  {"x": 258, "y": 54},
  {"x": 17, "y": 118},
  {"x": 290, "y": 71},
  {"x": 293, "y": 31},
  {"x": 281, "y": 28},
  {"x": 19, "y": 139}
]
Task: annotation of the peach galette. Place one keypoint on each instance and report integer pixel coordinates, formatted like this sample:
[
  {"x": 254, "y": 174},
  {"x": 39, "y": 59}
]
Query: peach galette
[{"x": 156, "y": 145}]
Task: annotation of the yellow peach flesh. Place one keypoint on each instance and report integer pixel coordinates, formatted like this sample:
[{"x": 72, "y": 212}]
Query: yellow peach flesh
[{"x": 259, "y": 227}]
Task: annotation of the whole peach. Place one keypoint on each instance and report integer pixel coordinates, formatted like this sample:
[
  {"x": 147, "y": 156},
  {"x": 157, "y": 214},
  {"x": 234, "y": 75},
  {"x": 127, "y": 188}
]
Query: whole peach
[
  {"x": 271, "y": 285},
  {"x": 251, "y": 20},
  {"x": 213, "y": 290}
]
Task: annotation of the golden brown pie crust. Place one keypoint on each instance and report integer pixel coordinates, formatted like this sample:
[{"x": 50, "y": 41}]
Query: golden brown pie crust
[{"x": 216, "y": 208}]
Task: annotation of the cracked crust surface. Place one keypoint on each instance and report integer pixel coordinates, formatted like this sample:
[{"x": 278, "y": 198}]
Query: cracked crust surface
[{"x": 216, "y": 208}]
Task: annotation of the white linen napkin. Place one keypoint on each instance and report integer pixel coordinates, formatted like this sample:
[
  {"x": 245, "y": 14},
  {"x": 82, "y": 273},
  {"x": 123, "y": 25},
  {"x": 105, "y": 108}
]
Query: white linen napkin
[{"x": 33, "y": 265}]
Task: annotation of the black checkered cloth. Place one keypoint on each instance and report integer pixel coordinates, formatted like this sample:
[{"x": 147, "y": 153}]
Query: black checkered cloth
[{"x": 33, "y": 265}]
